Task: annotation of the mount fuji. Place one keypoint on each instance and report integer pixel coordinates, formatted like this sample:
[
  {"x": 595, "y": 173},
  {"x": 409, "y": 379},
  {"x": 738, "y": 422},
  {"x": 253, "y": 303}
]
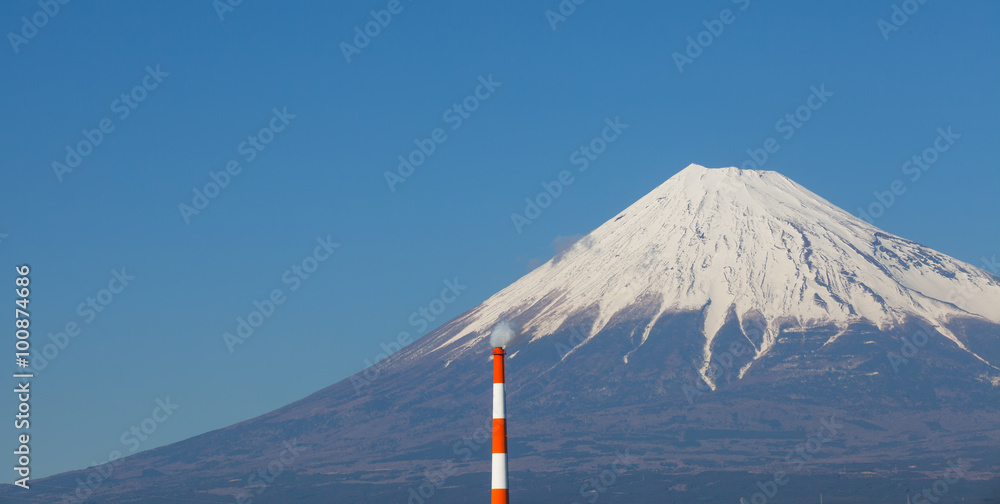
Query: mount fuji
[
  {"x": 754, "y": 243},
  {"x": 730, "y": 334}
]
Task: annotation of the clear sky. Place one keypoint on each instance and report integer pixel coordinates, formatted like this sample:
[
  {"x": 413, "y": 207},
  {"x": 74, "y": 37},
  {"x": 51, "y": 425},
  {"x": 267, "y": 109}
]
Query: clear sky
[{"x": 211, "y": 83}]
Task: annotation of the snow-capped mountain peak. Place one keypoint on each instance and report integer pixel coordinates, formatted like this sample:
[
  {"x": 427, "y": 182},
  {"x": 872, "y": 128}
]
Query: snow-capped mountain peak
[{"x": 752, "y": 241}]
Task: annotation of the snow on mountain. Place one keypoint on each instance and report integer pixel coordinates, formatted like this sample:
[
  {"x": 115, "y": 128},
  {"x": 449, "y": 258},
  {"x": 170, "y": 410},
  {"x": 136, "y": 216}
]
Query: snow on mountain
[{"x": 755, "y": 241}]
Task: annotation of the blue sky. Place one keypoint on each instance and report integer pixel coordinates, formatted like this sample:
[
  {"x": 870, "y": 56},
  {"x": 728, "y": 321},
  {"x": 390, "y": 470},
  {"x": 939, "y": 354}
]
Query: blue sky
[{"x": 322, "y": 176}]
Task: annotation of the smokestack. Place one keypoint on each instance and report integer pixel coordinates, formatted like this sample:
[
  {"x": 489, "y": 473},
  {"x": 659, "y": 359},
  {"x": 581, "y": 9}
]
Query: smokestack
[{"x": 499, "y": 492}]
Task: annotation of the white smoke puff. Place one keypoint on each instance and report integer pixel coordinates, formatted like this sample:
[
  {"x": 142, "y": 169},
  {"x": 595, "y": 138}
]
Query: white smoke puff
[{"x": 503, "y": 334}]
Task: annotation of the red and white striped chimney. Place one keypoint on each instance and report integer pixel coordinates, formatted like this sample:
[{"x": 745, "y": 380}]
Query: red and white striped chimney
[{"x": 499, "y": 492}]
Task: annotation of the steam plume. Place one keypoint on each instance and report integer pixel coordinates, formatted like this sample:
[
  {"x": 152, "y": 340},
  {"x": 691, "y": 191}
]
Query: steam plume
[{"x": 503, "y": 334}]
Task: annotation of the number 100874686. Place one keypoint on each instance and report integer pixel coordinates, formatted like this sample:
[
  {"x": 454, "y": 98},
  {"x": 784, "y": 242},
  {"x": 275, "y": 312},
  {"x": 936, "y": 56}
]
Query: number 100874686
[{"x": 22, "y": 316}]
